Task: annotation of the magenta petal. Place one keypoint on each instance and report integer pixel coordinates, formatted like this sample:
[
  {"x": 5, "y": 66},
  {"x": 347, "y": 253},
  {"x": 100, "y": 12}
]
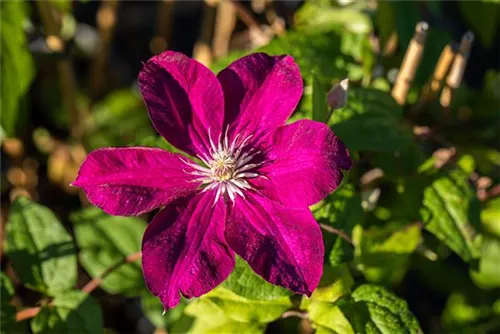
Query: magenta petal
[
  {"x": 260, "y": 92},
  {"x": 184, "y": 250},
  {"x": 307, "y": 163},
  {"x": 283, "y": 245},
  {"x": 184, "y": 101},
  {"x": 133, "y": 180}
]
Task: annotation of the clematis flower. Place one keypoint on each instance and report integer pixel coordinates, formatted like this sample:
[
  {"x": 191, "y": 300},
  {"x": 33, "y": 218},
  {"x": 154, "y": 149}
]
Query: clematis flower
[{"x": 251, "y": 191}]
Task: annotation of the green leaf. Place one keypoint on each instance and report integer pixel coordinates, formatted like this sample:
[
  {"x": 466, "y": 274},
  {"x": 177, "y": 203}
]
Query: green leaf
[
  {"x": 174, "y": 320},
  {"x": 222, "y": 303},
  {"x": 244, "y": 282},
  {"x": 314, "y": 52},
  {"x": 7, "y": 289},
  {"x": 228, "y": 326},
  {"x": 490, "y": 217},
  {"x": 322, "y": 305},
  {"x": 387, "y": 313},
  {"x": 488, "y": 275},
  {"x": 342, "y": 210},
  {"x": 486, "y": 26},
  {"x": 371, "y": 121},
  {"x": 319, "y": 107},
  {"x": 104, "y": 241},
  {"x": 451, "y": 212},
  {"x": 469, "y": 314},
  {"x": 383, "y": 253},
  {"x": 322, "y": 16},
  {"x": 8, "y": 323},
  {"x": 16, "y": 65},
  {"x": 328, "y": 318},
  {"x": 71, "y": 312},
  {"x": 124, "y": 107},
  {"x": 41, "y": 250}
]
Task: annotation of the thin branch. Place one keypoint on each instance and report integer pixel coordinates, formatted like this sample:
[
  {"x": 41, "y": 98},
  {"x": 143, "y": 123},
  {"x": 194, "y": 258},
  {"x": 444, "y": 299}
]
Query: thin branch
[
  {"x": 94, "y": 284},
  {"x": 245, "y": 15},
  {"x": 292, "y": 313},
  {"x": 335, "y": 231},
  {"x": 88, "y": 288}
]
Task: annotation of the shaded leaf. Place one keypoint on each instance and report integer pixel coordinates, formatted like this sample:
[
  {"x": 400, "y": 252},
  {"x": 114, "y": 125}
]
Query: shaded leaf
[
  {"x": 8, "y": 323},
  {"x": 371, "y": 120},
  {"x": 41, "y": 250},
  {"x": 71, "y": 312},
  {"x": 174, "y": 320},
  {"x": 16, "y": 65},
  {"x": 104, "y": 241},
  {"x": 342, "y": 210},
  {"x": 126, "y": 108},
  {"x": 7, "y": 289}
]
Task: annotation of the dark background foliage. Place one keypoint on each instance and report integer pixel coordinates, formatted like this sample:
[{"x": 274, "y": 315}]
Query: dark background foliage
[{"x": 412, "y": 235}]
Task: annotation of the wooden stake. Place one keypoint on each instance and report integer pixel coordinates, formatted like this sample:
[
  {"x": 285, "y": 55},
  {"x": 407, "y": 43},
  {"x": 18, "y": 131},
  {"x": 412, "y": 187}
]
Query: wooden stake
[
  {"x": 164, "y": 21},
  {"x": 224, "y": 26},
  {"x": 202, "y": 51},
  {"x": 443, "y": 65},
  {"x": 410, "y": 64},
  {"x": 456, "y": 74}
]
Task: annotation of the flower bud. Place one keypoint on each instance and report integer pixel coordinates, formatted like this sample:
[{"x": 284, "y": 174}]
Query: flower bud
[{"x": 337, "y": 96}]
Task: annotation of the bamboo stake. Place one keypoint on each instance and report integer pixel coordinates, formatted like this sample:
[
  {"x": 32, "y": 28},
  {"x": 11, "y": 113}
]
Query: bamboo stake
[
  {"x": 202, "y": 51},
  {"x": 164, "y": 21},
  {"x": 410, "y": 64},
  {"x": 224, "y": 26},
  {"x": 442, "y": 68},
  {"x": 454, "y": 78},
  {"x": 106, "y": 18}
]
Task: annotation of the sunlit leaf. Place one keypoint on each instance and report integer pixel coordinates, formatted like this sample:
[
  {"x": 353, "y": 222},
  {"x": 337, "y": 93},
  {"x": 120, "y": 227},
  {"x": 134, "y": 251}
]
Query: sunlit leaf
[
  {"x": 322, "y": 306},
  {"x": 383, "y": 253},
  {"x": 451, "y": 212},
  {"x": 41, "y": 250},
  {"x": 244, "y": 282},
  {"x": 488, "y": 275}
]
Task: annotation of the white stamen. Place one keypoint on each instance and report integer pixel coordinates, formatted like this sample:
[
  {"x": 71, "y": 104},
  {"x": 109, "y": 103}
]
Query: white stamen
[{"x": 227, "y": 167}]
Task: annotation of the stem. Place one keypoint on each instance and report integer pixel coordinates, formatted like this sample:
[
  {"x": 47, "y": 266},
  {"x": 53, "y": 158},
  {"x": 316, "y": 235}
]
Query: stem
[
  {"x": 292, "y": 313},
  {"x": 246, "y": 16},
  {"x": 88, "y": 288},
  {"x": 96, "y": 282},
  {"x": 335, "y": 231}
]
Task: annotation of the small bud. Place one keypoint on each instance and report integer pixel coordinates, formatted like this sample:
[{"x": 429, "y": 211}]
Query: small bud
[{"x": 337, "y": 96}]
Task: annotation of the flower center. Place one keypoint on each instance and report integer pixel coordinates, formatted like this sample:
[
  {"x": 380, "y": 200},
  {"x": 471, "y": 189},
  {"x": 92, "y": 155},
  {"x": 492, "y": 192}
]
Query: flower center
[{"x": 228, "y": 167}]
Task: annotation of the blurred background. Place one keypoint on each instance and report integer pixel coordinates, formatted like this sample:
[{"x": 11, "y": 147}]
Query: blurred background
[{"x": 424, "y": 104}]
